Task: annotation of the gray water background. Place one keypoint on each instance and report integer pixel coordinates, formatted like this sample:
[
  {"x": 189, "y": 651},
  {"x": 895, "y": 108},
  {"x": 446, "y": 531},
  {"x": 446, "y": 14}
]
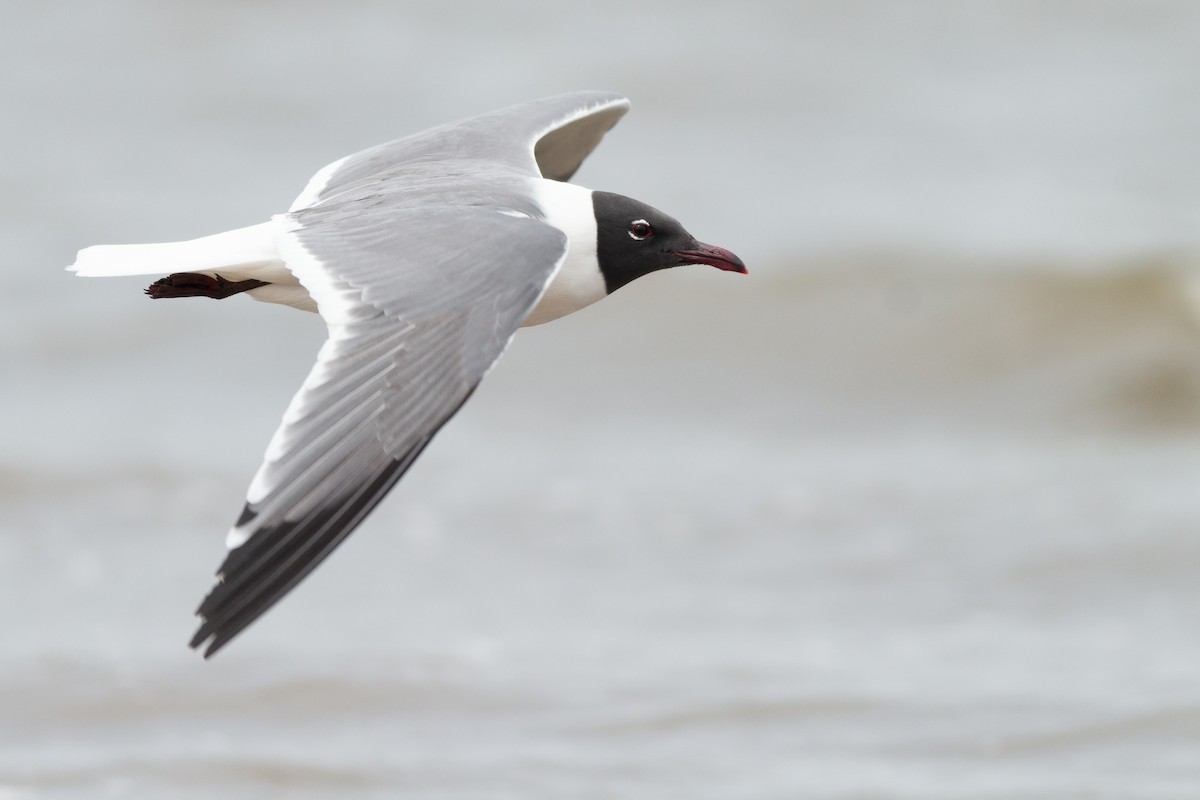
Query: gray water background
[{"x": 911, "y": 512}]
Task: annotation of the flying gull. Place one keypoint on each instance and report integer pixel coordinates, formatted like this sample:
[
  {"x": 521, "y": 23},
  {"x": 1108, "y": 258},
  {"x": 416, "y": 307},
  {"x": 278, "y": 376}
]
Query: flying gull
[{"x": 423, "y": 256}]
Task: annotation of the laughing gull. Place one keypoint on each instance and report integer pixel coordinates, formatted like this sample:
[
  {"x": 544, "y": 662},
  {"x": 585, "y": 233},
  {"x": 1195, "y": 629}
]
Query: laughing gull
[{"x": 423, "y": 255}]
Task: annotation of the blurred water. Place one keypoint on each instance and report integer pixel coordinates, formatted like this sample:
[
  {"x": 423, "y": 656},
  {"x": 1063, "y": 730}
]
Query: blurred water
[{"x": 909, "y": 513}]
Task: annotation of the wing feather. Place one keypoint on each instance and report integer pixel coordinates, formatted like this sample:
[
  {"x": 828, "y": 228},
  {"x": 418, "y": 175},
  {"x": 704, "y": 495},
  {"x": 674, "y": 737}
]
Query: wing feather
[
  {"x": 414, "y": 325},
  {"x": 546, "y": 138}
]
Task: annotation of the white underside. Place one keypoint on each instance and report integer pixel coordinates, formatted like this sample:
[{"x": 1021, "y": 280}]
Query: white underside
[{"x": 252, "y": 253}]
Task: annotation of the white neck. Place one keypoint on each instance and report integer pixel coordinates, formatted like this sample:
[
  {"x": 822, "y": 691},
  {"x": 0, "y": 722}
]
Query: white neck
[{"x": 579, "y": 281}]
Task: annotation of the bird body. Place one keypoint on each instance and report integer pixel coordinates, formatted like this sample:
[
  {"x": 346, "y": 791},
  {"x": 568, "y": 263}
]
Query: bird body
[{"x": 423, "y": 256}]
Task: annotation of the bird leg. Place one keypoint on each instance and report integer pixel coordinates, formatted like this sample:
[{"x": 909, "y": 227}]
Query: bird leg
[{"x": 193, "y": 284}]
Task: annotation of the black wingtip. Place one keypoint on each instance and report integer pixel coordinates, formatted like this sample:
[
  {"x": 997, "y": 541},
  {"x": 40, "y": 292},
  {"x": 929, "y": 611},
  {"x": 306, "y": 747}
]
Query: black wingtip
[
  {"x": 255, "y": 575},
  {"x": 202, "y": 635},
  {"x": 247, "y": 516},
  {"x": 216, "y": 644},
  {"x": 217, "y": 637},
  {"x": 258, "y": 573}
]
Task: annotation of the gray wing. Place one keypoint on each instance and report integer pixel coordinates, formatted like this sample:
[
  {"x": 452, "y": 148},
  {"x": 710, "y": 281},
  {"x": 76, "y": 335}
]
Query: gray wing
[
  {"x": 546, "y": 138},
  {"x": 420, "y": 303}
]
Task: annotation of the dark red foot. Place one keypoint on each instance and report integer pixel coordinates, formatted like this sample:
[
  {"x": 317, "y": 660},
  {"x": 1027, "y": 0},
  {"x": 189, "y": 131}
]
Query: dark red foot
[{"x": 193, "y": 284}]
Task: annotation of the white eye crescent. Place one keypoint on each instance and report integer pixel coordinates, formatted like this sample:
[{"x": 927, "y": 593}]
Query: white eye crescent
[{"x": 640, "y": 229}]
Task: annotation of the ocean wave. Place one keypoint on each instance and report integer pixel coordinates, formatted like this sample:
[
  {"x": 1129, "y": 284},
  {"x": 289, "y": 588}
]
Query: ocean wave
[{"x": 894, "y": 341}]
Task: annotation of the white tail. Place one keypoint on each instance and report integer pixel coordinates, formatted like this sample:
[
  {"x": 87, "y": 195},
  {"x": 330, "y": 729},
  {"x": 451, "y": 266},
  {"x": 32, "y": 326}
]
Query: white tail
[{"x": 245, "y": 252}]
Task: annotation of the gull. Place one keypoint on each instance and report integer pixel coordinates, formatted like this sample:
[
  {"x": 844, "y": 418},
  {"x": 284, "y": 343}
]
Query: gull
[{"x": 423, "y": 256}]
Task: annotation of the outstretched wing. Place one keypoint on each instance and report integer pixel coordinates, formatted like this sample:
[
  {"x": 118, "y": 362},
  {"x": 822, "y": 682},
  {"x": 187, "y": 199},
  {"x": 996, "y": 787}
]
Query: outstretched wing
[
  {"x": 547, "y": 138},
  {"x": 420, "y": 302}
]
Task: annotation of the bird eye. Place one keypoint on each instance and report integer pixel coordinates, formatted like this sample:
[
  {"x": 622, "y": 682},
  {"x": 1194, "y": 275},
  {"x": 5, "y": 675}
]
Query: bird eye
[{"x": 640, "y": 229}]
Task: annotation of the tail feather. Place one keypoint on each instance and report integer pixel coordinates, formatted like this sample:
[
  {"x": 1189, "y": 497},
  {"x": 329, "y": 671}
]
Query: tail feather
[{"x": 242, "y": 253}]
